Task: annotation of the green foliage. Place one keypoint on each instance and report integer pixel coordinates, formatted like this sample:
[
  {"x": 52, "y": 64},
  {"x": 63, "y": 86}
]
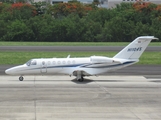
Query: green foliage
[
  {"x": 40, "y": 7},
  {"x": 41, "y": 27},
  {"x": 123, "y": 7},
  {"x": 17, "y": 30},
  {"x": 113, "y": 30},
  {"x": 64, "y": 9},
  {"x": 102, "y": 15},
  {"x": 156, "y": 26},
  {"x": 77, "y": 22},
  {"x": 3, "y": 28}
]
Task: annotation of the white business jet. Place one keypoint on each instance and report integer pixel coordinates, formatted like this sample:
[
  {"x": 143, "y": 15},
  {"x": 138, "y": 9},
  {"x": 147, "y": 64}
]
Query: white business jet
[{"x": 86, "y": 66}]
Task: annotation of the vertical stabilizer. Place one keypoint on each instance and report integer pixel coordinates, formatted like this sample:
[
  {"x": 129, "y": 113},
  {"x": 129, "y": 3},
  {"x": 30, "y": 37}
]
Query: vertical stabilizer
[{"x": 135, "y": 49}]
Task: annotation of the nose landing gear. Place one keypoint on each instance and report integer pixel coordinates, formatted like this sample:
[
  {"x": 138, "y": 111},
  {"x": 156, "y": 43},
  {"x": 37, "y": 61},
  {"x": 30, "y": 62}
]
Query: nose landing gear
[{"x": 21, "y": 78}]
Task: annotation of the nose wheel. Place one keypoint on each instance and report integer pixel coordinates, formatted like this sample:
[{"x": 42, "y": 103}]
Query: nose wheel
[{"x": 21, "y": 78}]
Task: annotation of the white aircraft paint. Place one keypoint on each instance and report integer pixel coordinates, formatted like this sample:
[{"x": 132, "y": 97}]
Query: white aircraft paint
[{"x": 86, "y": 66}]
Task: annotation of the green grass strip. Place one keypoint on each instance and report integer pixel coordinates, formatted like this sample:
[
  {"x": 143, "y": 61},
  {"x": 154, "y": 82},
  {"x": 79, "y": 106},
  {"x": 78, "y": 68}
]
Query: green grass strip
[
  {"x": 11, "y": 58},
  {"x": 71, "y": 43}
]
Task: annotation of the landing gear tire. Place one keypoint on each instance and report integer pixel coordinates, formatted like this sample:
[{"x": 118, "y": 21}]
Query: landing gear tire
[
  {"x": 81, "y": 80},
  {"x": 21, "y": 78}
]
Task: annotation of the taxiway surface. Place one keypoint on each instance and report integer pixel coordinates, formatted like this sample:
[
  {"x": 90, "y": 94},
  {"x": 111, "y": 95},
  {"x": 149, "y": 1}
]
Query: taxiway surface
[
  {"x": 114, "y": 97},
  {"x": 63, "y": 98}
]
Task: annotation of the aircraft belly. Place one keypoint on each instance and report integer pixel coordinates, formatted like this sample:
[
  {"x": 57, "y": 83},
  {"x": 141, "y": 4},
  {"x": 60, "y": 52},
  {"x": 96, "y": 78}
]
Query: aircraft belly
[
  {"x": 54, "y": 70},
  {"x": 29, "y": 72},
  {"x": 67, "y": 70},
  {"x": 96, "y": 71}
]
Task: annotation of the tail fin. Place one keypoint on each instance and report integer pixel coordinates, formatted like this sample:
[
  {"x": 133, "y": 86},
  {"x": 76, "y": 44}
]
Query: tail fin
[{"x": 135, "y": 49}]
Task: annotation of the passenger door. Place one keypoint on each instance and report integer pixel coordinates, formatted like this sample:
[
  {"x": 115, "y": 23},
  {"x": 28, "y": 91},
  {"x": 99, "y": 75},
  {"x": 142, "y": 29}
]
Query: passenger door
[{"x": 43, "y": 67}]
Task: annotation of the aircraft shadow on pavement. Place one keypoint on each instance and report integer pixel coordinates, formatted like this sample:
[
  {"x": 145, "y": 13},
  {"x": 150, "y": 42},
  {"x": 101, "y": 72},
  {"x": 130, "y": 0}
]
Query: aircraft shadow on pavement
[
  {"x": 109, "y": 80},
  {"x": 157, "y": 81},
  {"x": 86, "y": 81}
]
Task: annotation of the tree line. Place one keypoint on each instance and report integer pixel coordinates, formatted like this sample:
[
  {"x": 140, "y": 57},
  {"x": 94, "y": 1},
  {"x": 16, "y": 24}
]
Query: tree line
[{"x": 77, "y": 22}]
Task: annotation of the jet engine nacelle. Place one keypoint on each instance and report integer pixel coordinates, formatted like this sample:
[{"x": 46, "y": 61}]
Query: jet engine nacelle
[{"x": 101, "y": 59}]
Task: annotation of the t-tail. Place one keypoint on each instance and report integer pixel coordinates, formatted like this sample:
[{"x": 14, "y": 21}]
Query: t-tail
[{"x": 135, "y": 49}]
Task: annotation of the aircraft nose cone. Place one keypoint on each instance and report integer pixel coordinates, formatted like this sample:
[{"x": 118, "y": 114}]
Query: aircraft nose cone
[{"x": 8, "y": 71}]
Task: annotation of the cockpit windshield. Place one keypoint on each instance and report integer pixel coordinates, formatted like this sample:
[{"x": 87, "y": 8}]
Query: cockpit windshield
[{"x": 31, "y": 62}]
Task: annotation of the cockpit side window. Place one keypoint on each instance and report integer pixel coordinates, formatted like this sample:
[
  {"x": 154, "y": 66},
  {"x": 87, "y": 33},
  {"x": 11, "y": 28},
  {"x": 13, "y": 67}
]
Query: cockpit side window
[
  {"x": 28, "y": 63},
  {"x": 31, "y": 62}
]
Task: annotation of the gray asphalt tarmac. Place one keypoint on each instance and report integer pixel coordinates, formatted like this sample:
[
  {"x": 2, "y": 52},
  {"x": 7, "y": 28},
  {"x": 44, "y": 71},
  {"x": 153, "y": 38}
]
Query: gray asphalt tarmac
[
  {"x": 71, "y": 48},
  {"x": 64, "y": 98}
]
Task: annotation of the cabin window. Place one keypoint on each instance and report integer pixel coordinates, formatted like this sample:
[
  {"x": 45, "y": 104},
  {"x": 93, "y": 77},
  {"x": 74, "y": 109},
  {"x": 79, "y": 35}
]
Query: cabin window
[
  {"x": 54, "y": 62},
  {"x": 43, "y": 63}
]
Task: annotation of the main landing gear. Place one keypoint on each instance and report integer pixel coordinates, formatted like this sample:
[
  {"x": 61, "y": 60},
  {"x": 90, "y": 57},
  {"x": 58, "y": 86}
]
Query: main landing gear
[
  {"x": 81, "y": 79},
  {"x": 80, "y": 76},
  {"x": 21, "y": 78}
]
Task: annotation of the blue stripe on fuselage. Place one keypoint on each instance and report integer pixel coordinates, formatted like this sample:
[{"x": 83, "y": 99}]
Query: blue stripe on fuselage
[{"x": 84, "y": 65}]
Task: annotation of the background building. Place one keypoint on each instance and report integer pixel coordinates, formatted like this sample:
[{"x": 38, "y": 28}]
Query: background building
[
  {"x": 112, "y": 3},
  {"x": 103, "y": 3}
]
